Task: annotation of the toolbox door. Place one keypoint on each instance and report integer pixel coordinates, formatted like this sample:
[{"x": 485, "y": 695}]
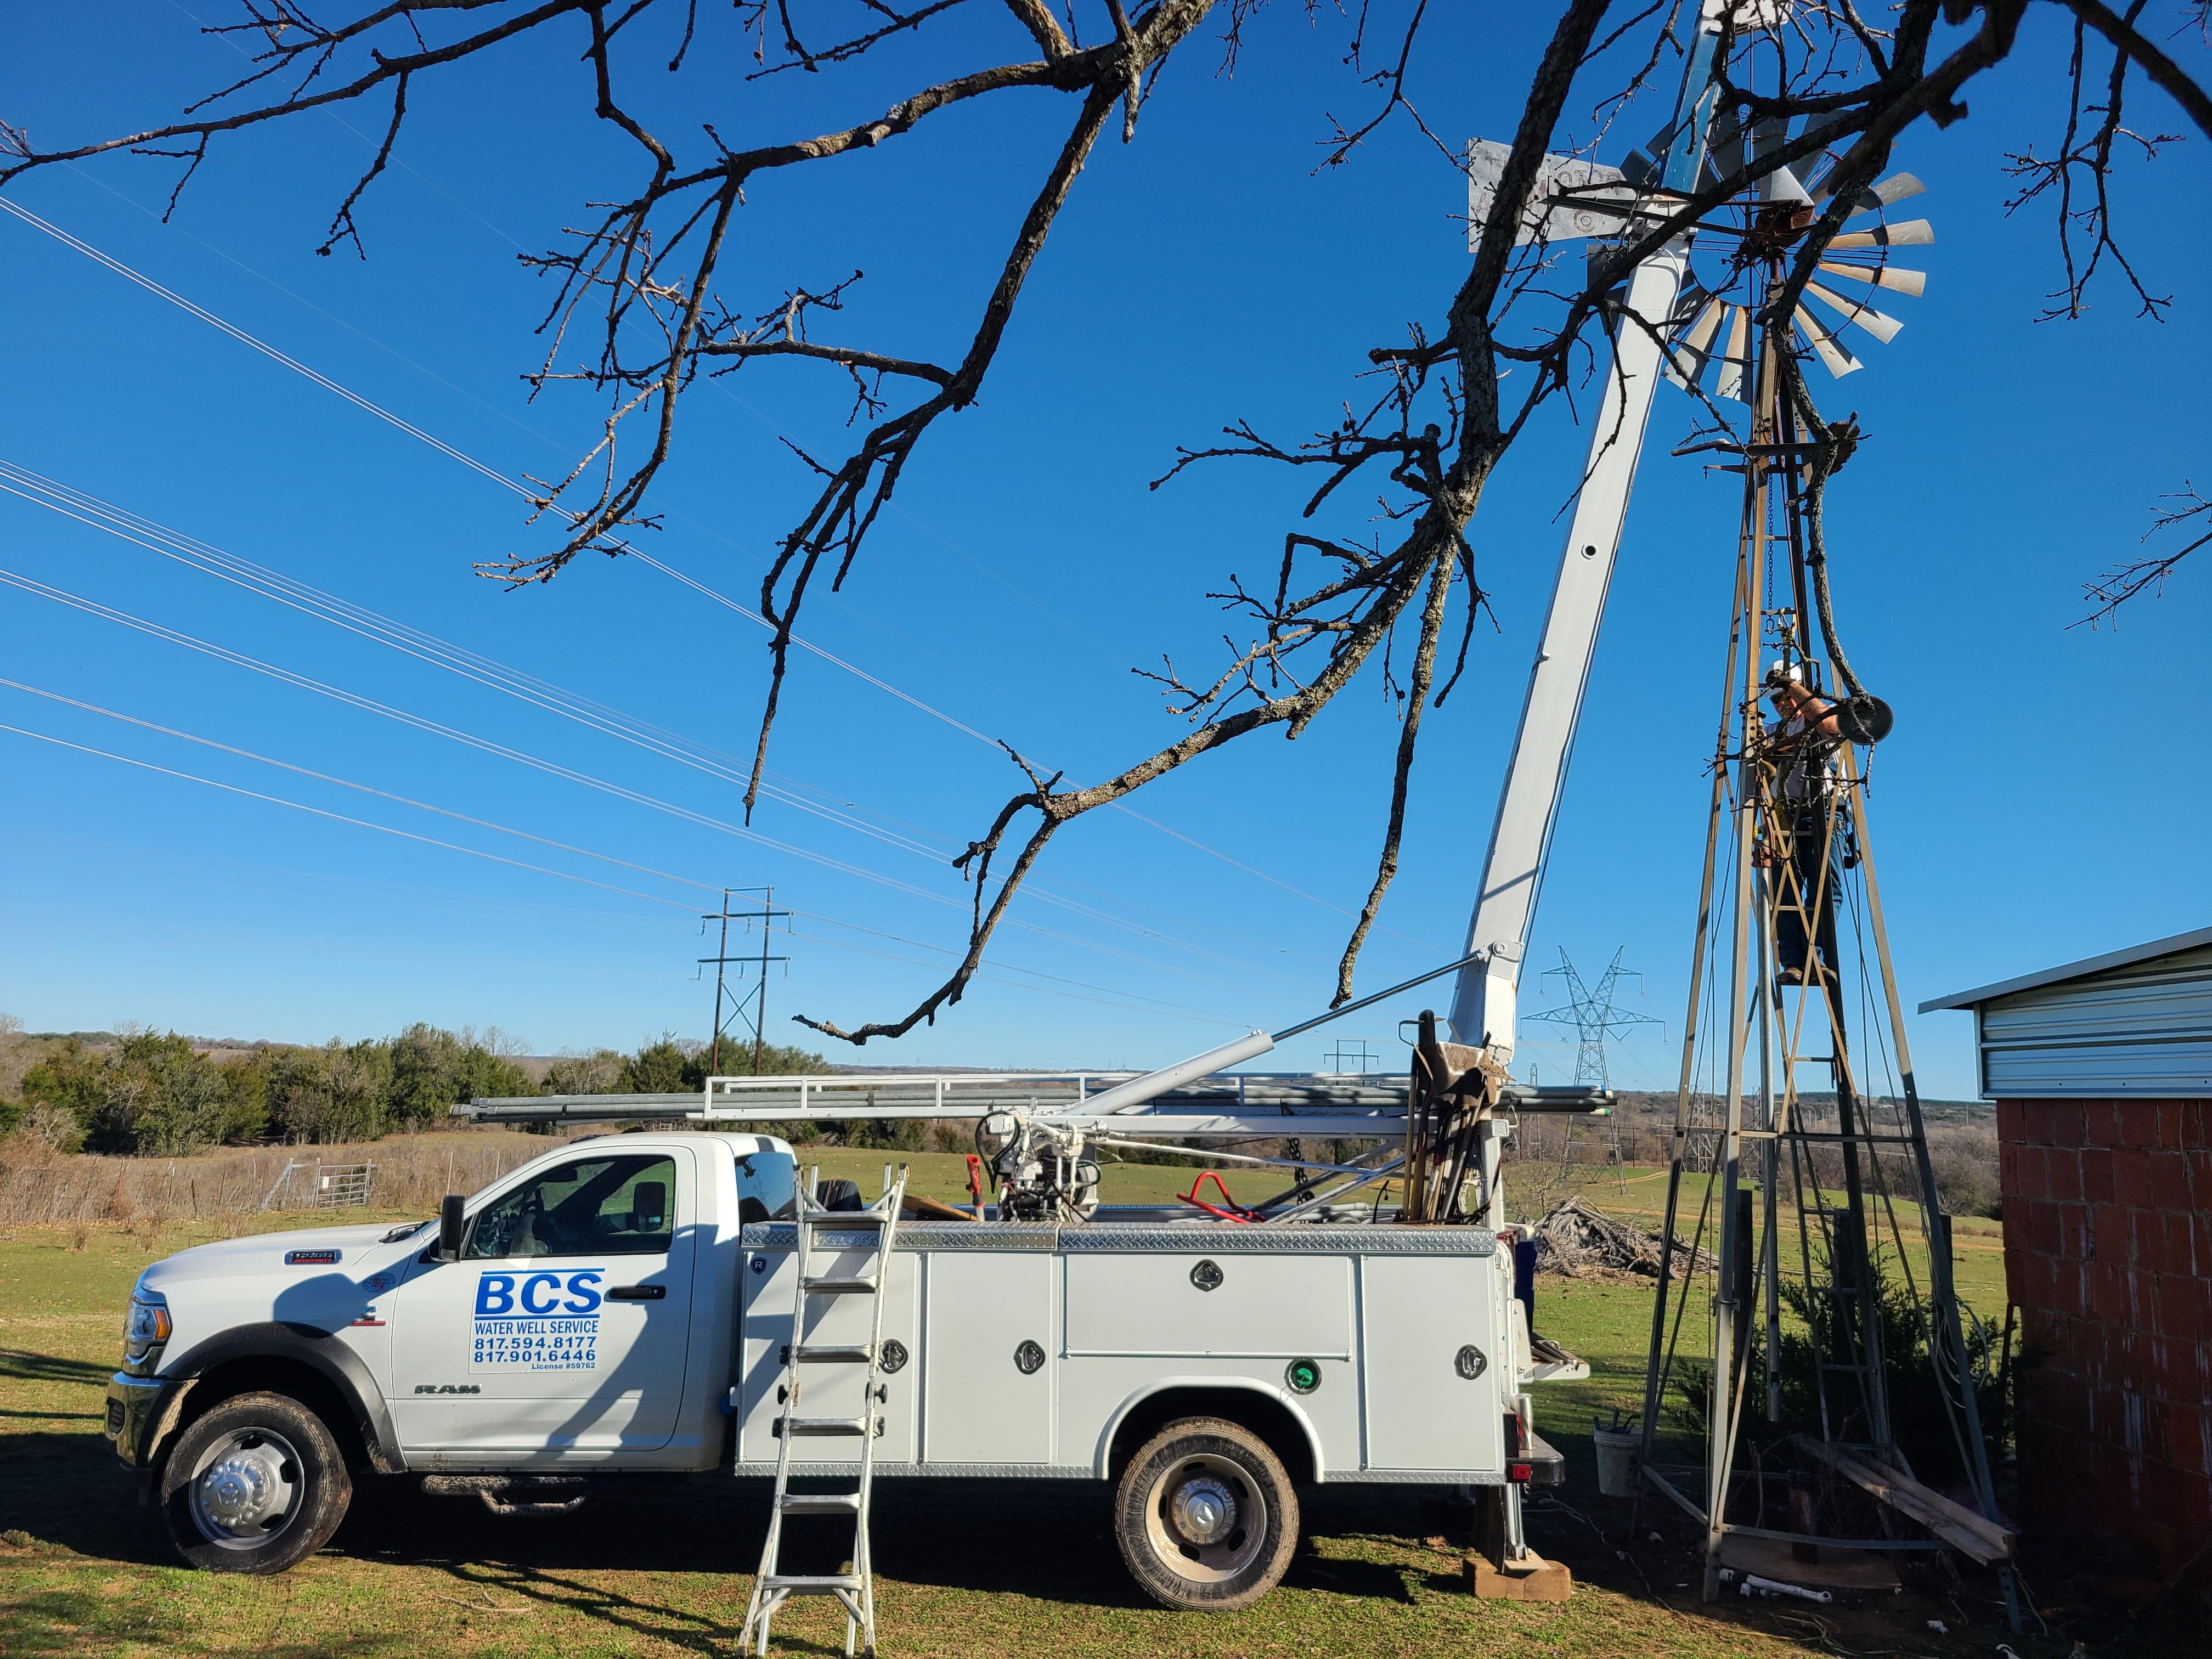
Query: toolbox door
[
  {"x": 1425, "y": 1322},
  {"x": 991, "y": 1355},
  {"x": 770, "y": 1284}
]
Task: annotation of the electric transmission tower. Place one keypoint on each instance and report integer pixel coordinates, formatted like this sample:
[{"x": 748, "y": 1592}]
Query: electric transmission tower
[{"x": 1591, "y": 1012}]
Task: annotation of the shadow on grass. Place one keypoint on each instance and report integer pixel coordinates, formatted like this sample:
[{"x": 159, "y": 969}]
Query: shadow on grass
[
  {"x": 56, "y": 1621},
  {"x": 1043, "y": 1542},
  {"x": 66, "y": 1487},
  {"x": 25, "y": 1366}
]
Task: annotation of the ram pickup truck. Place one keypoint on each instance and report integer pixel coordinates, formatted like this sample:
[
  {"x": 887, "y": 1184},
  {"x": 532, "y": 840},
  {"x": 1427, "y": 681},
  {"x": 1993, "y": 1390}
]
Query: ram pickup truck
[{"x": 614, "y": 1312}]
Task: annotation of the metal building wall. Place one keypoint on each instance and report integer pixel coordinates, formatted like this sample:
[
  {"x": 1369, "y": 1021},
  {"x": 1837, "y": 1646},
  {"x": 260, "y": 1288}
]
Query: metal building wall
[{"x": 2143, "y": 1029}]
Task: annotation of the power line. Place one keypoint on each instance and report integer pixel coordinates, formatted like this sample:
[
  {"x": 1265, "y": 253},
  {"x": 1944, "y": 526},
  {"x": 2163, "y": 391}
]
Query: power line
[
  {"x": 302, "y": 597},
  {"x": 517, "y": 864},
  {"x": 620, "y": 791},
  {"x": 540, "y": 693},
  {"x": 530, "y": 495},
  {"x": 347, "y": 783},
  {"x": 341, "y": 817}
]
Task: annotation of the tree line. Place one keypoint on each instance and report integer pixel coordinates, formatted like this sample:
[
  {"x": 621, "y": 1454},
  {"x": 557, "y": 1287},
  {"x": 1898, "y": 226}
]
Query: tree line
[{"x": 161, "y": 1095}]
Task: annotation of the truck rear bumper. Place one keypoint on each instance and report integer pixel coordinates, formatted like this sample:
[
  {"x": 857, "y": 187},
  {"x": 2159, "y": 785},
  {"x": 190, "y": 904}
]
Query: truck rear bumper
[{"x": 1546, "y": 1467}]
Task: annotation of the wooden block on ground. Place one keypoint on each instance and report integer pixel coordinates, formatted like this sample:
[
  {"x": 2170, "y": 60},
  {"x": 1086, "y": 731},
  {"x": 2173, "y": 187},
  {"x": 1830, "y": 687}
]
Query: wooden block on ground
[{"x": 1531, "y": 1579}]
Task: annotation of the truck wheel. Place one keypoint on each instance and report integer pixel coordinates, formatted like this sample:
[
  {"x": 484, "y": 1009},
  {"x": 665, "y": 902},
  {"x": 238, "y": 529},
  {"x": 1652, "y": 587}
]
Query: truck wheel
[
  {"x": 257, "y": 1485},
  {"x": 1206, "y": 1516}
]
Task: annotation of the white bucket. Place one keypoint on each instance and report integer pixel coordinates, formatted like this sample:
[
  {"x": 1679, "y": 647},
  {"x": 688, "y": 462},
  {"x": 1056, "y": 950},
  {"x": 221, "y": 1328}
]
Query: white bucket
[{"x": 1619, "y": 1460}]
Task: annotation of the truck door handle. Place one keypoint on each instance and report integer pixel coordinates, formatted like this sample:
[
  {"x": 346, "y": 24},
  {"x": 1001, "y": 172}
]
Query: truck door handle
[{"x": 637, "y": 1293}]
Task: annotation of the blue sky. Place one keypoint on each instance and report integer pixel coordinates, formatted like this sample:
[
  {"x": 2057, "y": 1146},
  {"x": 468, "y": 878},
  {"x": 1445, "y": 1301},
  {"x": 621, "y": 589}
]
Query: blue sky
[{"x": 2043, "y": 797}]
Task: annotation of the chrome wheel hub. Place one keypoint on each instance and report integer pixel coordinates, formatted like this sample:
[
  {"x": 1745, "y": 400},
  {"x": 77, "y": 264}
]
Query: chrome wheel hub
[
  {"x": 1206, "y": 1519},
  {"x": 246, "y": 1489},
  {"x": 1204, "y": 1510}
]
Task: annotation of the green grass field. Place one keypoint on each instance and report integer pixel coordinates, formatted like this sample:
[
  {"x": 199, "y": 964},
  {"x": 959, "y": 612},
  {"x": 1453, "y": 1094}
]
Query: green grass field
[{"x": 966, "y": 1570}]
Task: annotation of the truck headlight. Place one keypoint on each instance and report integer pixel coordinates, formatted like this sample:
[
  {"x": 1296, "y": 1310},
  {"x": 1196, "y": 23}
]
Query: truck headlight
[{"x": 146, "y": 1328}]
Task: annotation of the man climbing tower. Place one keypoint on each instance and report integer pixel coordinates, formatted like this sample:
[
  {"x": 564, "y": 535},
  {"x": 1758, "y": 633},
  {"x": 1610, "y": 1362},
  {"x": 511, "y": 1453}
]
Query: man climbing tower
[{"x": 1800, "y": 827}]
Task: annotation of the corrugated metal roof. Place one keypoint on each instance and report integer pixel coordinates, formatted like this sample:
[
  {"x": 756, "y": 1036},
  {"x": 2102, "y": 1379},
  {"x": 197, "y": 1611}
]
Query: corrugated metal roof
[
  {"x": 2142, "y": 1029},
  {"x": 2157, "y": 947}
]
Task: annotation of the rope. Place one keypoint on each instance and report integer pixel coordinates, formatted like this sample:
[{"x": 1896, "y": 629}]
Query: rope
[{"x": 1829, "y": 453}]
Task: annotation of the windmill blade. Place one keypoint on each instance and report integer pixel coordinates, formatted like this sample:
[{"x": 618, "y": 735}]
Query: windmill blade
[
  {"x": 1894, "y": 278},
  {"x": 1825, "y": 345},
  {"x": 1642, "y": 167},
  {"x": 1691, "y": 349},
  {"x": 1885, "y": 192},
  {"x": 1782, "y": 185},
  {"x": 1724, "y": 152},
  {"x": 1736, "y": 367},
  {"x": 1883, "y": 328},
  {"x": 1913, "y": 232},
  {"x": 1689, "y": 301},
  {"x": 1768, "y": 135}
]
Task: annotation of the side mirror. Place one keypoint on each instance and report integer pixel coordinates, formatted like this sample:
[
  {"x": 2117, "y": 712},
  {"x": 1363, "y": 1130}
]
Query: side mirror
[{"x": 452, "y": 1224}]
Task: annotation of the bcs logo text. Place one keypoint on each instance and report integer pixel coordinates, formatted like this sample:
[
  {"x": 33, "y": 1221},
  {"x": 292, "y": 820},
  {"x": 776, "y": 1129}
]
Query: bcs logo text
[{"x": 535, "y": 1295}]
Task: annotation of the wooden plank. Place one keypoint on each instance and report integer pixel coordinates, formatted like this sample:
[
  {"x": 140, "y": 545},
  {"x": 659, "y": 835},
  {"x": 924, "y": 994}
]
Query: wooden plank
[
  {"x": 914, "y": 1204},
  {"x": 1988, "y": 1541},
  {"x": 1999, "y": 1536},
  {"x": 1846, "y": 1570}
]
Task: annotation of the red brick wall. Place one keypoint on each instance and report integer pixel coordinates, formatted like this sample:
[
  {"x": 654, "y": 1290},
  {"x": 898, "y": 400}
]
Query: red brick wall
[{"x": 2108, "y": 1253}]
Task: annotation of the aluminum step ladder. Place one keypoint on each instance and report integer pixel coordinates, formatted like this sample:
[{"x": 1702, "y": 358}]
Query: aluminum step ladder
[{"x": 854, "y": 1588}]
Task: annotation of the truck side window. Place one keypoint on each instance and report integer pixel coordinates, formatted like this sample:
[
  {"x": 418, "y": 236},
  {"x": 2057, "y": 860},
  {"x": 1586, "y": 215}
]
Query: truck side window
[
  {"x": 605, "y": 1206},
  {"x": 768, "y": 1187}
]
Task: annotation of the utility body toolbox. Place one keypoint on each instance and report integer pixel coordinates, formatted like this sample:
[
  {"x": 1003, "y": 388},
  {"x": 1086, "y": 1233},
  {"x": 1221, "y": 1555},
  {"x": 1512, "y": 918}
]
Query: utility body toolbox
[{"x": 1377, "y": 1352}]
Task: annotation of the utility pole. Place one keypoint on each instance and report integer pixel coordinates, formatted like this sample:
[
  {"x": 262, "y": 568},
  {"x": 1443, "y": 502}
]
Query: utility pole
[
  {"x": 757, "y": 1019},
  {"x": 721, "y": 955}
]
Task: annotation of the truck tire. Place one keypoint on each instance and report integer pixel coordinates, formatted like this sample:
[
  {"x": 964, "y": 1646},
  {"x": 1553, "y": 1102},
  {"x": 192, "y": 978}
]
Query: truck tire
[
  {"x": 1206, "y": 1516},
  {"x": 255, "y": 1485}
]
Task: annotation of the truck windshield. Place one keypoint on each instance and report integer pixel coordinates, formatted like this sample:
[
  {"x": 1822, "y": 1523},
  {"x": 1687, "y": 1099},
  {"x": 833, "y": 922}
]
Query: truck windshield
[{"x": 605, "y": 1206}]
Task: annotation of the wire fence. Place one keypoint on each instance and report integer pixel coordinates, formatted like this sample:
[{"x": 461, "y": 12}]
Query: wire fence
[{"x": 39, "y": 1186}]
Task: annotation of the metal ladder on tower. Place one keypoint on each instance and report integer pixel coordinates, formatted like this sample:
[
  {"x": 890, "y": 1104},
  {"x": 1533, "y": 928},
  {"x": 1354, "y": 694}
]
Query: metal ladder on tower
[{"x": 855, "y": 1588}]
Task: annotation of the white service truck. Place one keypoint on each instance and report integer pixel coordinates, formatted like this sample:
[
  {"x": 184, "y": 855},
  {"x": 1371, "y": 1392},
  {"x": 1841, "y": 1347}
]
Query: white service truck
[{"x": 616, "y": 1312}]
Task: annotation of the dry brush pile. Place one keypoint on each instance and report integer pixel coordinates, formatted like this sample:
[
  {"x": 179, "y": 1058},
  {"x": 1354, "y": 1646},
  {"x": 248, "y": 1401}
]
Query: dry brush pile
[{"x": 1574, "y": 1239}]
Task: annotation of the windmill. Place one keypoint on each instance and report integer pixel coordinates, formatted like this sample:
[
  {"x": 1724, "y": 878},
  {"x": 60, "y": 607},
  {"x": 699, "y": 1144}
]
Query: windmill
[
  {"x": 1789, "y": 824},
  {"x": 1788, "y": 856}
]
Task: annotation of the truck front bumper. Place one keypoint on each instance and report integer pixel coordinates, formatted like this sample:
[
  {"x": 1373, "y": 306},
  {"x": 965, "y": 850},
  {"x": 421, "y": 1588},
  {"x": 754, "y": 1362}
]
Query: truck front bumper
[{"x": 134, "y": 1413}]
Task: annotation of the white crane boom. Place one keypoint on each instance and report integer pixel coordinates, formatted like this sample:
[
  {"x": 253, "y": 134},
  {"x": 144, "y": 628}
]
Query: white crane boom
[
  {"x": 1513, "y": 868},
  {"x": 1484, "y": 1001}
]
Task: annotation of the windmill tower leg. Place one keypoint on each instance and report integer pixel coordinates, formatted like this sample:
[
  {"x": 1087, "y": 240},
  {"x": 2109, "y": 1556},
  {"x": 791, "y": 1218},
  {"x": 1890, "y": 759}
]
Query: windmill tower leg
[
  {"x": 1733, "y": 1299},
  {"x": 1943, "y": 1290},
  {"x": 1794, "y": 801}
]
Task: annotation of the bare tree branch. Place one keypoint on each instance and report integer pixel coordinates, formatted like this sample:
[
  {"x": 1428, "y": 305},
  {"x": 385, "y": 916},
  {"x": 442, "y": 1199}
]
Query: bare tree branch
[
  {"x": 641, "y": 305},
  {"x": 2124, "y": 582}
]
